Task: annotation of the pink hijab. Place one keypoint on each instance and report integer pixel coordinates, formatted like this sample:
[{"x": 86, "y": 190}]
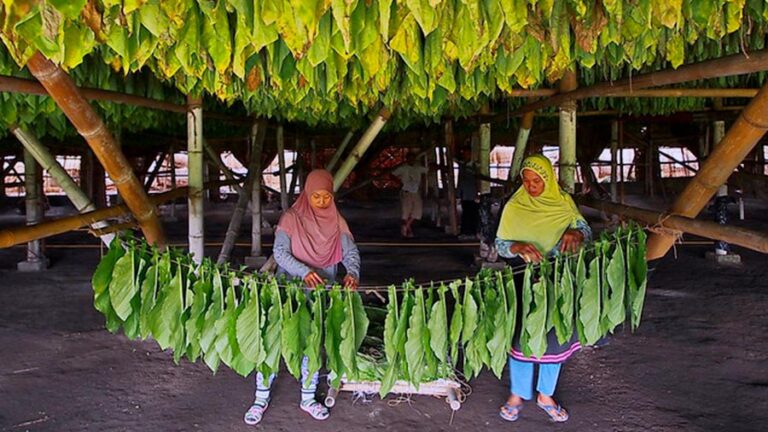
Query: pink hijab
[{"x": 315, "y": 233}]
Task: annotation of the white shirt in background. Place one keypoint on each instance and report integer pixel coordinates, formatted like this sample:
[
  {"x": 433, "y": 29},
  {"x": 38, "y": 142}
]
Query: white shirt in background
[{"x": 410, "y": 176}]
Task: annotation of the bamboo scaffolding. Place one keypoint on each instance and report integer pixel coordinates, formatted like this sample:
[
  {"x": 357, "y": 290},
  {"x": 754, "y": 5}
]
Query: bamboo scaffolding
[
  {"x": 736, "y": 64},
  {"x": 253, "y": 178},
  {"x": 747, "y": 238},
  {"x": 216, "y": 159},
  {"x": 48, "y": 162},
  {"x": 88, "y": 123},
  {"x": 520, "y": 144},
  {"x": 195, "y": 200},
  {"x": 567, "y": 135},
  {"x": 745, "y": 133},
  {"x": 339, "y": 151},
  {"x": 360, "y": 148},
  {"x": 281, "y": 164},
  {"x": 35, "y": 256},
  {"x": 453, "y": 217}
]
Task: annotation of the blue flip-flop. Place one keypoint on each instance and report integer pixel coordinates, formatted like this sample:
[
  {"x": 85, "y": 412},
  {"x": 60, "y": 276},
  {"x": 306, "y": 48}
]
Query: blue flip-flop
[
  {"x": 510, "y": 412},
  {"x": 557, "y": 413}
]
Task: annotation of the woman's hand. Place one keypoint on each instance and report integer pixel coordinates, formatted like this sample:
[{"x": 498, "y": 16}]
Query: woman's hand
[
  {"x": 350, "y": 282},
  {"x": 313, "y": 280},
  {"x": 571, "y": 241},
  {"x": 527, "y": 251}
]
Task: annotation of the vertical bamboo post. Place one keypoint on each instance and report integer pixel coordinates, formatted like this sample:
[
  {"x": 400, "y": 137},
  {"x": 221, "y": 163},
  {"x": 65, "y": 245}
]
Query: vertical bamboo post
[
  {"x": 360, "y": 148},
  {"x": 485, "y": 157},
  {"x": 614, "y": 151},
  {"x": 339, "y": 151},
  {"x": 298, "y": 169},
  {"x": 48, "y": 162},
  {"x": 621, "y": 160},
  {"x": 721, "y": 200},
  {"x": 258, "y": 132},
  {"x": 251, "y": 181},
  {"x": 526, "y": 124},
  {"x": 195, "y": 165},
  {"x": 172, "y": 166},
  {"x": 453, "y": 218},
  {"x": 36, "y": 260},
  {"x": 567, "y": 136},
  {"x": 281, "y": 167},
  {"x": 88, "y": 123},
  {"x": 745, "y": 133}
]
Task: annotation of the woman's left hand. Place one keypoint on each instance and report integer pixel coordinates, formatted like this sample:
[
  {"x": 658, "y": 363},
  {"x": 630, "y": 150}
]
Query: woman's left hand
[
  {"x": 350, "y": 282},
  {"x": 571, "y": 241}
]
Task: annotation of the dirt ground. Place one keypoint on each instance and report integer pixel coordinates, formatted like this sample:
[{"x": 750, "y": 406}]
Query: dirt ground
[{"x": 698, "y": 362}]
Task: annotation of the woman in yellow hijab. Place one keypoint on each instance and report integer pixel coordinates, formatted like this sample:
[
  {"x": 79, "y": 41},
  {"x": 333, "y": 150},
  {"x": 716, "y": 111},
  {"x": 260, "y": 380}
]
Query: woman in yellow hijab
[{"x": 539, "y": 220}]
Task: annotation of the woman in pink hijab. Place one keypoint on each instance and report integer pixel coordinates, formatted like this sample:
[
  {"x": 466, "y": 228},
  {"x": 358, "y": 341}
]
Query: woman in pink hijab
[{"x": 311, "y": 239}]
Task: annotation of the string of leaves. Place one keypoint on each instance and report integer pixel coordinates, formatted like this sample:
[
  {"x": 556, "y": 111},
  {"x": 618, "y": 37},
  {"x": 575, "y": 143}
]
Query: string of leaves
[{"x": 252, "y": 322}]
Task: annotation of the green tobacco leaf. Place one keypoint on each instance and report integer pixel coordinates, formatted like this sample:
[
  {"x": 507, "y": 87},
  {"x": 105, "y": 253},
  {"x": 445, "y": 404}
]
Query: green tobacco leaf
[
  {"x": 457, "y": 322},
  {"x": 589, "y": 304},
  {"x": 639, "y": 270},
  {"x": 165, "y": 321},
  {"x": 334, "y": 321},
  {"x": 565, "y": 302},
  {"x": 123, "y": 287},
  {"x": 527, "y": 299},
  {"x": 249, "y": 326},
  {"x": 214, "y": 312},
  {"x": 536, "y": 322},
  {"x": 414, "y": 348},
  {"x": 438, "y": 327},
  {"x": 196, "y": 319},
  {"x": 390, "y": 325},
  {"x": 353, "y": 331},
  {"x": 398, "y": 341},
  {"x": 616, "y": 278},
  {"x": 103, "y": 276},
  {"x": 272, "y": 333},
  {"x": 313, "y": 348}
]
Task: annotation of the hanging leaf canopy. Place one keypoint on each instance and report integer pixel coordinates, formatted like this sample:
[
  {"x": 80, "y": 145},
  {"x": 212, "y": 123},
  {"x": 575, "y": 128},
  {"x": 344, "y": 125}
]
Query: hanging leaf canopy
[{"x": 332, "y": 62}]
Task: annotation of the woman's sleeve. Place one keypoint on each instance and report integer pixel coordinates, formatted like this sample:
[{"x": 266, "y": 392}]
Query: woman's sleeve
[
  {"x": 586, "y": 231},
  {"x": 285, "y": 259},
  {"x": 502, "y": 246},
  {"x": 350, "y": 256}
]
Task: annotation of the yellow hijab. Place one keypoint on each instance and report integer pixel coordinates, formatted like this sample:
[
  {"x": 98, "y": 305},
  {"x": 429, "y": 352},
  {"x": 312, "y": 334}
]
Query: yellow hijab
[{"x": 541, "y": 220}]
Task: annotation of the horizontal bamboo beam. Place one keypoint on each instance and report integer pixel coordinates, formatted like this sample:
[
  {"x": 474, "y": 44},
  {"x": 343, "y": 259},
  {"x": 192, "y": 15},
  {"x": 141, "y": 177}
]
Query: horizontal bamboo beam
[
  {"x": 737, "y": 64},
  {"x": 741, "y": 138},
  {"x": 750, "y": 239},
  {"x": 654, "y": 93},
  {"x": 18, "y": 235},
  {"x": 13, "y": 236},
  {"x": 22, "y": 85},
  {"x": 92, "y": 128}
]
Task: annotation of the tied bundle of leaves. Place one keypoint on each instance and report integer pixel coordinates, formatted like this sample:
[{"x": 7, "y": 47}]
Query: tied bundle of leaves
[{"x": 252, "y": 322}]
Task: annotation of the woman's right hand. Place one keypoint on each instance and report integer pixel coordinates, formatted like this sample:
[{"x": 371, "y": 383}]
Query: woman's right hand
[
  {"x": 313, "y": 280},
  {"x": 527, "y": 251}
]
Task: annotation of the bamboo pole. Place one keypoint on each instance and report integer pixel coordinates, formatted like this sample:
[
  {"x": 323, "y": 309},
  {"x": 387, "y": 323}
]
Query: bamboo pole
[
  {"x": 254, "y": 172},
  {"x": 567, "y": 135},
  {"x": 360, "y": 148},
  {"x": 258, "y": 133},
  {"x": 153, "y": 173},
  {"x": 22, "y": 85},
  {"x": 520, "y": 144},
  {"x": 485, "y": 156},
  {"x": 339, "y": 151},
  {"x": 172, "y": 166},
  {"x": 216, "y": 159},
  {"x": 614, "y": 151},
  {"x": 737, "y": 64},
  {"x": 88, "y": 123},
  {"x": 453, "y": 218},
  {"x": 35, "y": 260},
  {"x": 281, "y": 167},
  {"x": 195, "y": 201},
  {"x": 48, "y": 162},
  {"x": 745, "y": 133},
  {"x": 655, "y": 93},
  {"x": 754, "y": 240}
]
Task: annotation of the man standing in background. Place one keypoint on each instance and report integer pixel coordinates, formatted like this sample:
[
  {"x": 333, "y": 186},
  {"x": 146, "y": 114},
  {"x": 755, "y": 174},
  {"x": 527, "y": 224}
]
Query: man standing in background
[{"x": 411, "y": 176}]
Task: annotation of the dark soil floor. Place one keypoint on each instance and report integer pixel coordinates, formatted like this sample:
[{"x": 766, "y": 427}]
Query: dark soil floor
[{"x": 698, "y": 362}]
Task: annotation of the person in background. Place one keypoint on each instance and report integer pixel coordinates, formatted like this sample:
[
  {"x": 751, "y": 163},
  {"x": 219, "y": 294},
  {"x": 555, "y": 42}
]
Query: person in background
[
  {"x": 311, "y": 240},
  {"x": 539, "y": 221},
  {"x": 411, "y": 175},
  {"x": 468, "y": 194}
]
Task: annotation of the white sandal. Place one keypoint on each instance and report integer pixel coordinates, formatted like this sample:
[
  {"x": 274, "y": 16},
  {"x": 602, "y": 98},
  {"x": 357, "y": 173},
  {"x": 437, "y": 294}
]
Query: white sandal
[
  {"x": 255, "y": 413},
  {"x": 314, "y": 408}
]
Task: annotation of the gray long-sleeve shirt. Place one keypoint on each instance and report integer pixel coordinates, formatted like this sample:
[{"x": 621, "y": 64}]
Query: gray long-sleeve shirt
[{"x": 292, "y": 267}]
